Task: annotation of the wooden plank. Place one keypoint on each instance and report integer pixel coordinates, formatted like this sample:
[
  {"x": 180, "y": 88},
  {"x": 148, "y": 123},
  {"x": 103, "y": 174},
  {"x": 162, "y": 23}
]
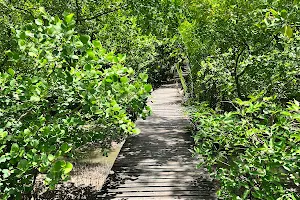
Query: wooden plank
[
  {"x": 157, "y": 163},
  {"x": 154, "y": 162},
  {"x": 150, "y": 177},
  {"x": 154, "y": 170},
  {"x": 196, "y": 197},
  {"x": 157, "y": 167},
  {"x": 162, "y": 182},
  {"x": 156, "y": 183},
  {"x": 165, "y": 156},
  {"x": 169, "y": 148},
  {"x": 158, "y": 194},
  {"x": 160, "y": 173},
  {"x": 180, "y": 158},
  {"x": 155, "y": 189},
  {"x": 183, "y": 149}
]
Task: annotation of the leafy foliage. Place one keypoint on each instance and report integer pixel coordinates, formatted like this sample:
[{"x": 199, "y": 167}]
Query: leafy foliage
[
  {"x": 253, "y": 152},
  {"x": 238, "y": 49},
  {"x": 73, "y": 93},
  {"x": 61, "y": 88},
  {"x": 117, "y": 24}
]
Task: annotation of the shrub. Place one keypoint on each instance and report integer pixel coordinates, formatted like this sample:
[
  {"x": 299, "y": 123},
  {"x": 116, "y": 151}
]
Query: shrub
[
  {"x": 69, "y": 92},
  {"x": 253, "y": 152}
]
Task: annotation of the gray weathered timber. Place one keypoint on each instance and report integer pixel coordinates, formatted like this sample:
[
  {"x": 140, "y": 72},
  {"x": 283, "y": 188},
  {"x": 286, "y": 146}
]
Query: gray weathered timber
[{"x": 157, "y": 163}]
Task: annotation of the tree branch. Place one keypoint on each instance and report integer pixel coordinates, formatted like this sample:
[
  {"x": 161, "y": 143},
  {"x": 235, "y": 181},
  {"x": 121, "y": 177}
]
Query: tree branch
[
  {"x": 77, "y": 12},
  {"x": 236, "y": 76},
  {"x": 254, "y": 52}
]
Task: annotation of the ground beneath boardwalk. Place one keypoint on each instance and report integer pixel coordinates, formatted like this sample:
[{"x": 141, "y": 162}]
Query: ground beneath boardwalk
[
  {"x": 87, "y": 177},
  {"x": 157, "y": 163}
]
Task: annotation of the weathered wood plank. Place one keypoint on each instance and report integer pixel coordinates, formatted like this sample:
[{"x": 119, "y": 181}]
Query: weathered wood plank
[
  {"x": 154, "y": 189},
  {"x": 162, "y": 183},
  {"x": 163, "y": 198},
  {"x": 156, "y": 176},
  {"x": 157, "y": 167},
  {"x": 158, "y": 194},
  {"x": 157, "y": 163}
]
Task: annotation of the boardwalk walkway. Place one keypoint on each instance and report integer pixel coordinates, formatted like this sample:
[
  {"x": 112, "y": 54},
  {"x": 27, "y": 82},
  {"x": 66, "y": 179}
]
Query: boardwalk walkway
[{"x": 156, "y": 164}]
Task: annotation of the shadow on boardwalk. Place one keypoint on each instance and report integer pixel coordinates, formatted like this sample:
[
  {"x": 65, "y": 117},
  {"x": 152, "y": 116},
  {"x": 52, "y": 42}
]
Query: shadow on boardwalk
[
  {"x": 164, "y": 170},
  {"x": 157, "y": 164}
]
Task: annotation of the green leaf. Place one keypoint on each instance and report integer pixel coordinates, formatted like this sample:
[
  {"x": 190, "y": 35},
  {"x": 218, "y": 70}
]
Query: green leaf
[
  {"x": 23, "y": 164},
  {"x": 35, "y": 79},
  {"x": 97, "y": 44},
  {"x": 274, "y": 12},
  {"x": 108, "y": 80},
  {"x": 296, "y": 102},
  {"x": 296, "y": 136},
  {"x": 6, "y": 173},
  {"x": 65, "y": 147},
  {"x": 78, "y": 44},
  {"x": 11, "y": 71},
  {"x": 68, "y": 168},
  {"x": 144, "y": 77},
  {"x": 34, "y": 143},
  {"x": 3, "y": 158},
  {"x": 74, "y": 57},
  {"x": 148, "y": 87},
  {"x": 51, "y": 157},
  {"x": 3, "y": 134},
  {"x": 9, "y": 53},
  {"x": 91, "y": 53},
  {"x": 293, "y": 197},
  {"x": 84, "y": 39},
  {"x": 15, "y": 148},
  {"x": 32, "y": 54},
  {"x": 42, "y": 10},
  {"x": 136, "y": 131},
  {"x": 69, "y": 78},
  {"x": 246, "y": 193},
  {"x": 283, "y": 13},
  {"x": 69, "y": 18},
  {"x": 35, "y": 98},
  {"x": 22, "y": 35},
  {"x": 288, "y": 31},
  {"x": 88, "y": 67},
  {"x": 121, "y": 57},
  {"x": 59, "y": 165},
  {"x": 27, "y": 131},
  {"x": 124, "y": 79},
  {"x": 38, "y": 22},
  {"x": 286, "y": 113}
]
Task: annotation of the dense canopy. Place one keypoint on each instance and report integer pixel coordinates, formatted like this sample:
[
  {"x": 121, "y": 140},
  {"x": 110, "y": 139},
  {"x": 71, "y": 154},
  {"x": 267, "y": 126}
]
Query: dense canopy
[{"x": 74, "y": 72}]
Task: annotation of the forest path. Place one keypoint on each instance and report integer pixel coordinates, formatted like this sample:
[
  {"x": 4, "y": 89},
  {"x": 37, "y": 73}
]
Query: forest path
[{"x": 156, "y": 164}]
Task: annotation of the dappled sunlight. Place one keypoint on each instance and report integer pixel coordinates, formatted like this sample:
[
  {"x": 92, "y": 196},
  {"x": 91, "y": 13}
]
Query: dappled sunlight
[{"x": 157, "y": 163}]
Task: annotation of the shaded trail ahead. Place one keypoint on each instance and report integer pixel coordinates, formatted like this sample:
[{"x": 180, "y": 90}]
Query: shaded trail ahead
[{"x": 156, "y": 164}]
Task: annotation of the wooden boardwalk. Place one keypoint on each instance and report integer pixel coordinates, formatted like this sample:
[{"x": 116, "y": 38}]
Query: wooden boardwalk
[{"x": 157, "y": 163}]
